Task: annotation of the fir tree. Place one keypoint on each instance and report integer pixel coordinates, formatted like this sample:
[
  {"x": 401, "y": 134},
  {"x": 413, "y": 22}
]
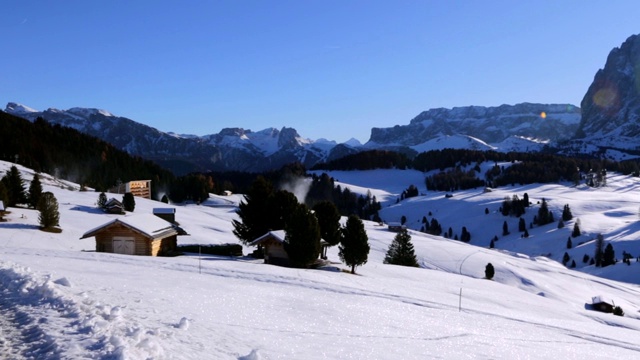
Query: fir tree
[
  {"x": 48, "y": 207},
  {"x": 165, "y": 199},
  {"x": 4, "y": 195},
  {"x": 565, "y": 259},
  {"x": 522, "y": 226},
  {"x": 569, "y": 243},
  {"x": 492, "y": 244},
  {"x": 329, "y": 221},
  {"x": 573, "y": 264},
  {"x": 576, "y": 230},
  {"x": 599, "y": 250},
  {"x": 566, "y": 213},
  {"x": 128, "y": 202},
  {"x": 585, "y": 258},
  {"x": 608, "y": 256},
  {"x": 544, "y": 216},
  {"x": 560, "y": 224},
  {"x": 253, "y": 211},
  {"x": 302, "y": 240},
  {"x": 354, "y": 244},
  {"x": 489, "y": 271},
  {"x": 401, "y": 251},
  {"x": 15, "y": 187},
  {"x": 102, "y": 200},
  {"x": 526, "y": 233},
  {"x": 505, "y": 229},
  {"x": 35, "y": 191},
  {"x": 403, "y": 220},
  {"x": 466, "y": 235}
]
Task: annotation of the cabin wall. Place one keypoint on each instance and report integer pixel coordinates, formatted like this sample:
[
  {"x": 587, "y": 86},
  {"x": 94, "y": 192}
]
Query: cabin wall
[{"x": 104, "y": 240}]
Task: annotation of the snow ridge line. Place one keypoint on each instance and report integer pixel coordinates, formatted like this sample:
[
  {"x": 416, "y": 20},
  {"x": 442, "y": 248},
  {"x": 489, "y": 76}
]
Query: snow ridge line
[{"x": 35, "y": 308}]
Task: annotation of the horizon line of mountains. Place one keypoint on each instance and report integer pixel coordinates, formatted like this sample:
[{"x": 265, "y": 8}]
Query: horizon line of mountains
[{"x": 606, "y": 125}]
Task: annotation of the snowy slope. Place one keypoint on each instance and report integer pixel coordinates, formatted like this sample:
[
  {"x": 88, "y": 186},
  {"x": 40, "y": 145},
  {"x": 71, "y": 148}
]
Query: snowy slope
[{"x": 62, "y": 300}]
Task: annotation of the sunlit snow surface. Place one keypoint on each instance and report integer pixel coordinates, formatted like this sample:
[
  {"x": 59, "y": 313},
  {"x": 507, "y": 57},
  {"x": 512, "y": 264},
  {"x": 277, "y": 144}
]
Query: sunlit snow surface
[{"x": 59, "y": 299}]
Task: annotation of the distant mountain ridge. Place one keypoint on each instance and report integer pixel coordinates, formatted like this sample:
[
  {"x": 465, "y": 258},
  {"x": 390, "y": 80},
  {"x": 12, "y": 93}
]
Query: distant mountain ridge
[
  {"x": 606, "y": 125},
  {"x": 510, "y": 128}
]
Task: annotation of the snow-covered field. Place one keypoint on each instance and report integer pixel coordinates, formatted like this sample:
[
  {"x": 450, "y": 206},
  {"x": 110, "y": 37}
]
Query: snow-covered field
[{"x": 61, "y": 300}]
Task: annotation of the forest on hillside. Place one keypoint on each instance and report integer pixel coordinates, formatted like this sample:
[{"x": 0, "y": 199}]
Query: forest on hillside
[{"x": 69, "y": 154}]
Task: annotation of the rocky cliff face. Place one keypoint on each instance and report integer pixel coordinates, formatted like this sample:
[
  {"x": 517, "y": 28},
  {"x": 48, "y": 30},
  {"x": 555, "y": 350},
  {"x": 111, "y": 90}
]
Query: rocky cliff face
[
  {"x": 490, "y": 124},
  {"x": 611, "y": 106}
]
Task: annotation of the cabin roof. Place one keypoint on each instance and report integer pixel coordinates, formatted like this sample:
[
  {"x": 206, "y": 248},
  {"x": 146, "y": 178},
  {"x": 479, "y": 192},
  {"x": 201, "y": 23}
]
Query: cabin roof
[
  {"x": 278, "y": 235},
  {"x": 164, "y": 210},
  {"x": 147, "y": 224}
]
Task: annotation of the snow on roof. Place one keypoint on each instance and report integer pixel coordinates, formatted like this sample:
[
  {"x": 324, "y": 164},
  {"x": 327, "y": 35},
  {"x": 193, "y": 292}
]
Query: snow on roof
[
  {"x": 279, "y": 235},
  {"x": 147, "y": 224},
  {"x": 164, "y": 210},
  {"x": 1, "y": 205}
]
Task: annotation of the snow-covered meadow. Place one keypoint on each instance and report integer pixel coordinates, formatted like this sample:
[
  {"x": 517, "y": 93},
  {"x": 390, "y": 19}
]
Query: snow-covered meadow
[{"x": 59, "y": 299}]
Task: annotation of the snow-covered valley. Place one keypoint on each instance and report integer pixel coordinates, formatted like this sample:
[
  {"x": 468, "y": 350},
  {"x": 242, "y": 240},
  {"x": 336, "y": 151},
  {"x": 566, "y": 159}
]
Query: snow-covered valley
[{"x": 60, "y": 299}]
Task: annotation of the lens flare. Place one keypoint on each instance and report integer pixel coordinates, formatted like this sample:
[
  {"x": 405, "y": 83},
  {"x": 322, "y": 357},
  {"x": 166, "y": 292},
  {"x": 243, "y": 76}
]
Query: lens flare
[
  {"x": 605, "y": 97},
  {"x": 543, "y": 115}
]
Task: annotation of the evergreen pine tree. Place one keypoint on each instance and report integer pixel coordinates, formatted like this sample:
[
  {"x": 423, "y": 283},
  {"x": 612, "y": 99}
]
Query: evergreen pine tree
[
  {"x": 102, "y": 200},
  {"x": 608, "y": 256},
  {"x": 401, "y": 251},
  {"x": 329, "y": 221},
  {"x": 4, "y": 195},
  {"x": 560, "y": 224},
  {"x": 573, "y": 264},
  {"x": 566, "y": 213},
  {"x": 565, "y": 259},
  {"x": 599, "y": 250},
  {"x": 466, "y": 235},
  {"x": 15, "y": 187},
  {"x": 505, "y": 229},
  {"x": 525, "y": 200},
  {"x": 403, "y": 220},
  {"x": 492, "y": 244},
  {"x": 526, "y": 233},
  {"x": 165, "y": 199},
  {"x": 489, "y": 271},
  {"x": 48, "y": 207},
  {"x": 585, "y": 258},
  {"x": 302, "y": 240},
  {"x": 522, "y": 226},
  {"x": 354, "y": 244},
  {"x": 544, "y": 216},
  {"x": 569, "y": 243},
  {"x": 576, "y": 230},
  {"x": 128, "y": 202},
  {"x": 35, "y": 191},
  {"x": 253, "y": 211}
]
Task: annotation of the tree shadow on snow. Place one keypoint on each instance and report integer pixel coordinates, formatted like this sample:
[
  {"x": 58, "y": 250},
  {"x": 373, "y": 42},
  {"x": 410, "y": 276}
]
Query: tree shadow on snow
[{"x": 8, "y": 225}]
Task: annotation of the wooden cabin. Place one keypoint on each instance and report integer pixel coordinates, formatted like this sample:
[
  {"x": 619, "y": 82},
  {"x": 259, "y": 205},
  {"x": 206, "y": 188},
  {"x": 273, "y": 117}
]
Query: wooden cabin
[
  {"x": 396, "y": 227},
  {"x": 273, "y": 245},
  {"x": 140, "y": 234},
  {"x": 113, "y": 206},
  {"x": 597, "y": 303}
]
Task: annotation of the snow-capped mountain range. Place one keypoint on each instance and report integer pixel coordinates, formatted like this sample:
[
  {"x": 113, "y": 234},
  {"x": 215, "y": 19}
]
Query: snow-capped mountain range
[
  {"x": 505, "y": 128},
  {"x": 607, "y": 125}
]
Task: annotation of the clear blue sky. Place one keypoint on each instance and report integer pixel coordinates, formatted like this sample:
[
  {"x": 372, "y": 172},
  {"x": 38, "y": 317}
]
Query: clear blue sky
[{"x": 331, "y": 69}]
